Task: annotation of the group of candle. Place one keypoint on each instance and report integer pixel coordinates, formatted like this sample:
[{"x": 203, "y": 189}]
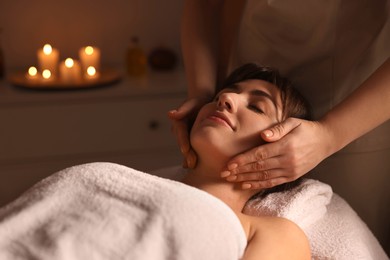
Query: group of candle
[{"x": 70, "y": 70}]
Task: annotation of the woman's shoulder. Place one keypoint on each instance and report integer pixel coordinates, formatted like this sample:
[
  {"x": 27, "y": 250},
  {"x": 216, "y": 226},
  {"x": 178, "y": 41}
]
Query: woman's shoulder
[{"x": 274, "y": 237}]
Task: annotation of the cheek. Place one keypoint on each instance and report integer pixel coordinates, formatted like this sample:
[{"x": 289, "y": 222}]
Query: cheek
[
  {"x": 202, "y": 136},
  {"x": 249, "y": 135},
  {"x": 196, "y": 134},
  {"x": 199, "y": 118},
  {"x": 248, "y": 141}
]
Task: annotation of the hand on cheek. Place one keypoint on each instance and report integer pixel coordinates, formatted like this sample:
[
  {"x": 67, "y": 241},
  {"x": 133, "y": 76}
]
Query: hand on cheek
[{"x": 297, "y": 146}]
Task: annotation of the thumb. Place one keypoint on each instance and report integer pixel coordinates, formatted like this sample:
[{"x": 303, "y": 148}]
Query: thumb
[
  {"x": 184, "y": 110},
  {"x": 279, "y": 130}
]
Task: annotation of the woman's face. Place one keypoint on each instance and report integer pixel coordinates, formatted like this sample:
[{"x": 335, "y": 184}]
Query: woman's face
[{"x": 231, "y": 124}]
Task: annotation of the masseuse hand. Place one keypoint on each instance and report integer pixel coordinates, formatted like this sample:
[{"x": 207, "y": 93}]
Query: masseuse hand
[
  {"x": 295, "y": 147},
  {"x": 181, "y": 119}
]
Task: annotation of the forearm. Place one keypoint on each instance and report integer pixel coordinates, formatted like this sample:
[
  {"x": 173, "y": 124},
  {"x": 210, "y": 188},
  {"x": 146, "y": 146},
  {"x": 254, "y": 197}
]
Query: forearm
[
  {"x": 199, "y": 40},
  {"x": 366, "y": 108}
]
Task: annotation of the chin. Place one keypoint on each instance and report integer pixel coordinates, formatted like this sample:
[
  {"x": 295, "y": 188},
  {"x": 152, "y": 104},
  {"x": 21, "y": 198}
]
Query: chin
[{"x": 212, "y": 149}]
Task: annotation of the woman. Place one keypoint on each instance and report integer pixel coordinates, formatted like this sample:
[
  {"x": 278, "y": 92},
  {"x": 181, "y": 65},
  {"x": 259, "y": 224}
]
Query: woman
[
  {"x": 252, "y": 99},
  {"x": 338, "y": 53},
  {"x": 108, "y": 211}
]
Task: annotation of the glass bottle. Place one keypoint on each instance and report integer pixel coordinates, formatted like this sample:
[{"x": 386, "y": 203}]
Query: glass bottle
[{"x": 136, "y": 59}]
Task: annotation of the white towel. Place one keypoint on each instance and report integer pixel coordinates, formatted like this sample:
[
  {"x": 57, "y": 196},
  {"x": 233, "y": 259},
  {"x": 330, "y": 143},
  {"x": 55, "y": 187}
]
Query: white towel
[
  {"x": 343, "y": 235},
  {"x": 333, "y": 228},
  {"x": 304, "y": 204},
  {"x": 108, "y": 211}
]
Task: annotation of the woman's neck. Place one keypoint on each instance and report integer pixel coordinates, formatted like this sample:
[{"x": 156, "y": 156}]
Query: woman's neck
[{"x": 208, "y": 179}]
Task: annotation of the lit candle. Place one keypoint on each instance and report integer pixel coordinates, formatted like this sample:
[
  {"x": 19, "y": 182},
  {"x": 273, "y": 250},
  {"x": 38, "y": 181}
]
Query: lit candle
[
  {"x": 89, "y": 56},
  {"x": 47, "y": 75},
  {"x": 48, "y": 58},
  {"x": 91, "y": 73},
  {"x": 32, "y": 73},
  {"x": 70, "y": 70}
]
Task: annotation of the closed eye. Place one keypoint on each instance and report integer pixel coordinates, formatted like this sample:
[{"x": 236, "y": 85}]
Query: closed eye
[{"x": 255, "y": 109}]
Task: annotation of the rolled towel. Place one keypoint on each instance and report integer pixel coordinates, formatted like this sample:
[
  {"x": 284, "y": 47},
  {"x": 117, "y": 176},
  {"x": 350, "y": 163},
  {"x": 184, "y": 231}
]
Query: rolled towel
[{"x": 304, "y": 204}]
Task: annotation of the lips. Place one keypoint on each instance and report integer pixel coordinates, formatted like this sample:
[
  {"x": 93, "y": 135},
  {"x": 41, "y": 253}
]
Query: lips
[{"x": 216, "y": 116}]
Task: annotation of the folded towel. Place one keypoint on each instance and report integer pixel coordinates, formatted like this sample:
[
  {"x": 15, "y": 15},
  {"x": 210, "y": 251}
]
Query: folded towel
[
  {"x": 304, "y": 204},
  {"x": 108, "y": 211}
]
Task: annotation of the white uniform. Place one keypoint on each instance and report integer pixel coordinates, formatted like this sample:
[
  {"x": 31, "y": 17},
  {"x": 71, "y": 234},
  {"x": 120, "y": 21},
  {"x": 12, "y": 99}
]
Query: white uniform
[{"x": 328, "y": 48}]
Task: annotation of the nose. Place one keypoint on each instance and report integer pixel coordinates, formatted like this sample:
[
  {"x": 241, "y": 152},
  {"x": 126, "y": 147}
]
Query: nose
[{"x": 226, "y": 101}]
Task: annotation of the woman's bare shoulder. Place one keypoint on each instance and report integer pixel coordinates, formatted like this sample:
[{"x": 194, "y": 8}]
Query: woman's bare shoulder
[{"x": 274, "y": 238}]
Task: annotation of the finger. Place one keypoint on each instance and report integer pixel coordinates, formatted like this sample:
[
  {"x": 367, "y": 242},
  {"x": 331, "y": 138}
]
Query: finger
[
  {"x": 185, "y": 164},
  {"x": 184, "y": 110},
  {"x": 259, "y": 166},
  {"x": 180, "y": 130},
  {"x": 256, "y": 176},
  {"x": 183, "y": 138},
  {"x": 278, "y": 131},
  {"x": 256, "y": 154},
  {"x": 172, "y": 114},
  {"x": 191, "y": 159},
  {"x": 256, "y": 185}
]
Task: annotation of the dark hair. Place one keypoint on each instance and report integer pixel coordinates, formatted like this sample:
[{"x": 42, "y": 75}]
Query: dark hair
[{"x": 294, "y": 104}]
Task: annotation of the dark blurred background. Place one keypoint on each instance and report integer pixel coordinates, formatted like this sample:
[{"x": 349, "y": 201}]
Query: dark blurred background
[
  {"x": 43, "y": 131},
  {"x": 70, "y": 24}
]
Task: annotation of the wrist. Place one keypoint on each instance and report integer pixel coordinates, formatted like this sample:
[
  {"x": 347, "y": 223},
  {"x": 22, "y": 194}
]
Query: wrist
[{"x": 333, "y": 139}]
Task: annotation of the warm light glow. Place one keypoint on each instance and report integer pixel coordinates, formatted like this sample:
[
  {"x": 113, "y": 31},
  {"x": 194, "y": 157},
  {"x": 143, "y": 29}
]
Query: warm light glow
[
  {"x": 89, "y": 50},
  {"x": 47, "y": 49},
  {"x": 91, "y": 71},
  {"x": 32, "y": 71},
  {"x": 46, "y": 74},
  {"x": 69, "y": 63}
]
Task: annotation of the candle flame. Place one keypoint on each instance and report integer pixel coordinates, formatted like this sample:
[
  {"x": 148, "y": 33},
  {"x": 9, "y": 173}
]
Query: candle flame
[
  {"x": 47, "y": 49},
  {"x": 46, "y": 74},
  {"x": 91, "y": 71},
  {"x": 69, "y": 63},
  {"x": 32, "y": 71},
  {"x": 89, "y": 50}
]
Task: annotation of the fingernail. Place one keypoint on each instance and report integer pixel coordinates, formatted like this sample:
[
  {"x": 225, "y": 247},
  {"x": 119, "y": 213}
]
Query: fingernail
[
  {"x": 184, "y": 149},
  {"x": 232, "y": 178},
  {"x": 172, "y": 111},
  {"x": 225, "y": 174},
  {"x": 268, "y": 133},
  {"x": 232, "y": 166},
  {"x": 246, "y": 186}
]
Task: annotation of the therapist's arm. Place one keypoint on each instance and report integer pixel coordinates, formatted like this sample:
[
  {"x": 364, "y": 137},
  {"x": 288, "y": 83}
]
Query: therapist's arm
[
  {"x": 199, "y": 42},
  {"x": 297, "y": 146},
  {"x": 365, "y": 109}
]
